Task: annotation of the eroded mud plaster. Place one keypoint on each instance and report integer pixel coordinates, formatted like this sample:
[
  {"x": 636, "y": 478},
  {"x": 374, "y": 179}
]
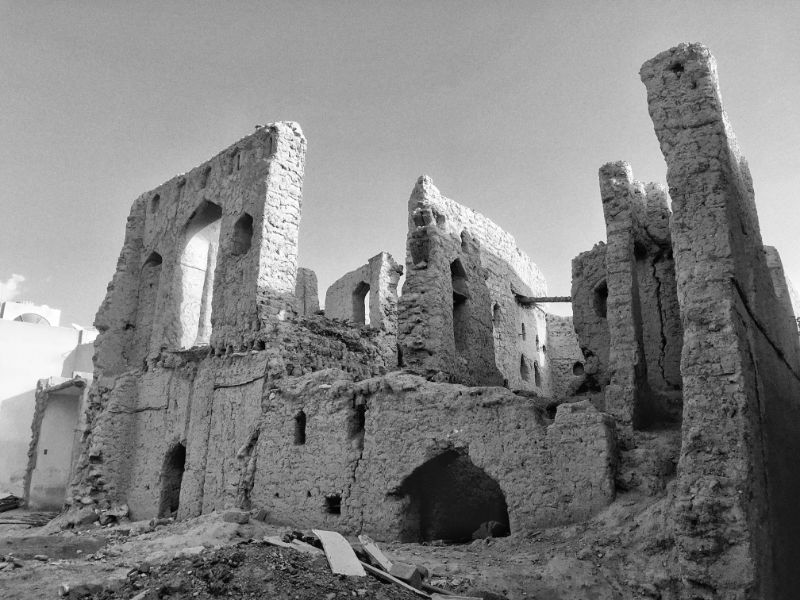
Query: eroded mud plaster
[{"x": 736, "y": 524}]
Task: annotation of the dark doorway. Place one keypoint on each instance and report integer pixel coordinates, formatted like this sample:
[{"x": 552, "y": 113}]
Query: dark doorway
[
  {"x": 449, "y": 498},
  {"x": 171, "y": 478}
]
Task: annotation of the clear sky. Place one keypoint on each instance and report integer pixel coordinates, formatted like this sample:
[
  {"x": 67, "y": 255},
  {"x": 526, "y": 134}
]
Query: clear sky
[{"x": 511, "y": 107}]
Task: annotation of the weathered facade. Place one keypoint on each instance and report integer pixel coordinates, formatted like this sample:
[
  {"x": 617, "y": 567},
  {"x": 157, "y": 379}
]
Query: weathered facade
[
  {"x": 305, "y": 292},
  {"x": 216, "y": 385},
  {"x": 696, "y": 316},
  {"x": 58, "y": 421},
  {"x": 367, "y": 295},
  {"x": 737, "y": 529},
  {"x": 466, "y": 311}
]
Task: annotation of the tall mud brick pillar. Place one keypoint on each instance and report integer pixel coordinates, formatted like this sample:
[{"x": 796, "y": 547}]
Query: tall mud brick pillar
[{"x": 737, "y": 524}]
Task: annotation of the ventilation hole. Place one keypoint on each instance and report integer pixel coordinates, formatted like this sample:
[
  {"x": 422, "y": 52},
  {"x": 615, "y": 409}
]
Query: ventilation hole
[
  {"x": 577, "y": 369},
  {"x": 154, "y": 203},
  {"x": 333, "y": 504},
  {"x": 537, "y": 378},
  {"x": 677, "y": 68},
  {"x": 523, "y": 334}
]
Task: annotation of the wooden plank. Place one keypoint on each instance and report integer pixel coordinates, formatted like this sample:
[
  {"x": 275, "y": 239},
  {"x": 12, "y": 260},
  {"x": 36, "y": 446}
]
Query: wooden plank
[
  {"x": 385, "y": 576},
  {"x": 305, "y": 547},
  {"x": 294, "y": 545},
  {"x": 276, "y": 541},
  {"x": 341, "y": 558},
  {"x": 375, "y": 553}
]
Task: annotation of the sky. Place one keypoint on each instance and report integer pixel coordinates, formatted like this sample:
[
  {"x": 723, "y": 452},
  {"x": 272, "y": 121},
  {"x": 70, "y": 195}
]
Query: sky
[{"x": 511, "y": 108}]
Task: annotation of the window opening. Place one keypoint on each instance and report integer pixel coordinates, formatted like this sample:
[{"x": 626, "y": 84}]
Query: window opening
[
  {"x": 360, "y": 304},
  {"x": 460, "y": 305},
  {"x": 242, "y": 235},
  {"x": 300, "y": 428}
]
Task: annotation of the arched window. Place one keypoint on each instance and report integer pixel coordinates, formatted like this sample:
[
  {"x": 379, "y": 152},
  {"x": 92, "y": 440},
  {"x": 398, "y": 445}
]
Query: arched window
[
  {"x": 242, "y": 235},
  {"x": 460, "y": 305},
  {"x": 32, "y": 318},
  {"x": 197, "y": 265}
]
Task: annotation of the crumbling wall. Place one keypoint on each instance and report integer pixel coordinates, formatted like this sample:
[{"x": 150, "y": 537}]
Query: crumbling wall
[
  {"x": 367, "y": 295},
  {"x": 589, "y": 314},
  {"x": 363, "y": 440},
  {"x": 305, "y": 291},
  {"x": 783, "y": 293},
  {"x": 644, "y": 328},
  {"x": 234, "y": 220},
  {"x": 565, "y": 363},
  {"x": 736, "y": 523},
  {"x": 483, "y": 334},
  {"x": 53, "y": 451}
]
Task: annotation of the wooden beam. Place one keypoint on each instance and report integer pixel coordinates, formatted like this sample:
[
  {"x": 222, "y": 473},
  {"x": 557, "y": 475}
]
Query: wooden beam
[{"x": 528, "y": 300}]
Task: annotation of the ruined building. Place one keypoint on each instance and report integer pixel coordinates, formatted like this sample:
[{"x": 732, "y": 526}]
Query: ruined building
[
  {"x": 687, "y": 324},
  {"x": 461, "y": 402}
]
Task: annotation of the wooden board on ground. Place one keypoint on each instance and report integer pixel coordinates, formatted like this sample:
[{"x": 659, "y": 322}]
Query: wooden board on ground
[
  {"x": 341, "y": 558},
  {"x": 375, "y": 553},
  {"x": 294, "y": 545},
  {"x": 385, "y": 576}
]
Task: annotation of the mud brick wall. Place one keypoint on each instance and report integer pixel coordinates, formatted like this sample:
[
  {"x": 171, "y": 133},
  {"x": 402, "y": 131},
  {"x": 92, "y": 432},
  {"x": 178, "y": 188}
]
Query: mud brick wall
[
  {"x": 589, "y": 313},
  {"x": 548, "y": 474},
  {"x": 486, "y": 335},
  {"x": 736, "y": 522},
  {"x": 305, "y": 291},
  {"x": 369, "y": 290}
]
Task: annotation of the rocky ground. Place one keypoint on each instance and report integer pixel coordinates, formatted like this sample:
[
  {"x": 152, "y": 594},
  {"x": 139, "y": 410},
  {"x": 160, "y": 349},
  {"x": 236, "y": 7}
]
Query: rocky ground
[{"x": 622, "y": 553}]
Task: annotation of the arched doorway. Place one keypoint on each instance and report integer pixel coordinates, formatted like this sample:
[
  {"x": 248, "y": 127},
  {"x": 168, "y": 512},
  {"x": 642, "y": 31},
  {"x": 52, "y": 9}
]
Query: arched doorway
[
  {"x": 449, "y": 498},
  {"x": 361, "y": 304},
  {"x": 171, "y": 479}
]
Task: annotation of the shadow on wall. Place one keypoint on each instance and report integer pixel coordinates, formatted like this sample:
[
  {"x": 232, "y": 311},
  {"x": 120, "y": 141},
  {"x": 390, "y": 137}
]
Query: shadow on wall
[
  {"x": 16, "y": 415},
  {"x": 449, "y": 498}
]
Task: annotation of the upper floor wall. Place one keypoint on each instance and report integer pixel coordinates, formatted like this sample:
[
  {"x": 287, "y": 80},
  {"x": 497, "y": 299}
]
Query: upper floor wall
[{"x": 209, "y": 255}]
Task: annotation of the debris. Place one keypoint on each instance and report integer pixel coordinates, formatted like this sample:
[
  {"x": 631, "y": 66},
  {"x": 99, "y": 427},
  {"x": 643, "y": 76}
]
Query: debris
[
  {"x": 236, "y": 516},
  {"x": 375, "y": 554},
  {"x": 79, "y": 590},
  {"x": 306, "y": 547},
  {"x": 341, "y": 558},
  {"x": 295, "y": 544},
  {"x": 411, "y": 574},
  {"x": 9, "y": 502},
  {"x": 386, "y": 577},
  {"x": 490, "y": 529}
]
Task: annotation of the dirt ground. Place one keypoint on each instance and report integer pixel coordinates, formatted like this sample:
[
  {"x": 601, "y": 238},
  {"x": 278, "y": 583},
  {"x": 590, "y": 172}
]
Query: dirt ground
[{"x": 621, "y": 554}]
